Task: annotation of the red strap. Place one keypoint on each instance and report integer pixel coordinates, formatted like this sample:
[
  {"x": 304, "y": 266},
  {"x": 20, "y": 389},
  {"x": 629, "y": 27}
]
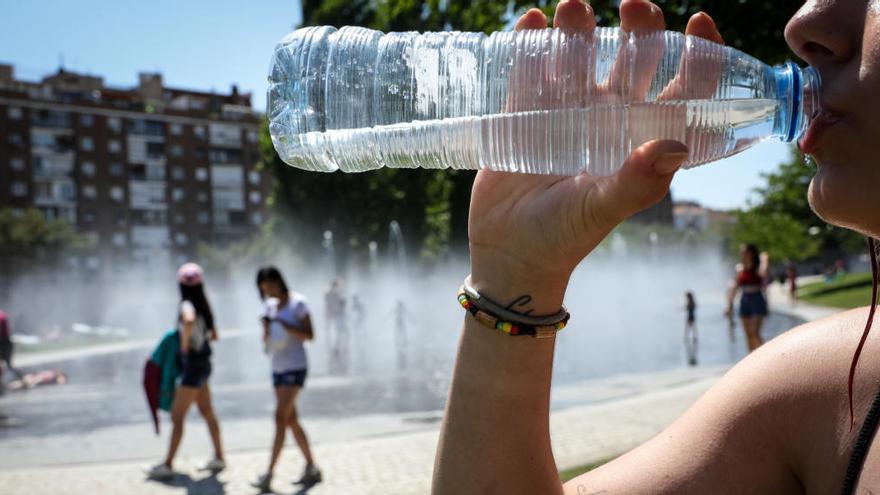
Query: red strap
[{"x": 855, "y": 360}]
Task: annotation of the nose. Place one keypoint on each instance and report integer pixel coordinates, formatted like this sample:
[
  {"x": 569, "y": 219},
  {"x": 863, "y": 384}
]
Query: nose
[{"x": 820, "y": 33}]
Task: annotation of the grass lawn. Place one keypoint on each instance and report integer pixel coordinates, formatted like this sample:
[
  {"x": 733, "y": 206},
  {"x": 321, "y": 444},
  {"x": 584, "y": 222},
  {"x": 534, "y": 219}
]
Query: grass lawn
[
  {"x": 575, "y": 472},
  {"x": 849, "y": 291}
]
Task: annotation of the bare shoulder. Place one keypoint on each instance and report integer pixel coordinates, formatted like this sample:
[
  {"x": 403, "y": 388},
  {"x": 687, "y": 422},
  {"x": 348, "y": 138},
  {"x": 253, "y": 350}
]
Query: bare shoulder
[{"x": 777, "y": 422}]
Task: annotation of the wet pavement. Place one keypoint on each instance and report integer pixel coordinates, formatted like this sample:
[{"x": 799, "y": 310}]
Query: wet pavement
[{"x": 627, "y": 318}]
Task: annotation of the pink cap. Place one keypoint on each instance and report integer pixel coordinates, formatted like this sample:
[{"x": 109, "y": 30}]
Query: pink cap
[{"x": 190, "y": 274}]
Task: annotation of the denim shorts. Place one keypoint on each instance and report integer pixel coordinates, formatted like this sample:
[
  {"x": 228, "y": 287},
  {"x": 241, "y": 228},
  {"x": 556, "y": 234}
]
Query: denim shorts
[
  {"x": 752, "y": 304},
  {"x": 194, "y": 370},
  {"x": 292, "y": 378}
]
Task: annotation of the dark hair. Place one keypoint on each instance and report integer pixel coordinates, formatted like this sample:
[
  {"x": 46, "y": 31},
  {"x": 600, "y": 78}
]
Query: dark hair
[
  {"x": 690, "y": 296},
  {"x": 195, "y": 294},
  {"x": 270, "y": 274},
  {"x": 753, "y": 251}
]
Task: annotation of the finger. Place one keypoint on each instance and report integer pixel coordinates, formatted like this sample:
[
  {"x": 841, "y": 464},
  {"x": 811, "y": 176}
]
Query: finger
[
  {"x": 703, "y": 26},
  {"x": 574, "y": 14},
  {"x": 533, "y": 19},
  {"x": 700, "y": 69},
  {"x": 637, "y": 16},
  {"x": 573, "y": 69},
  {"x": 642, "y": 181}
]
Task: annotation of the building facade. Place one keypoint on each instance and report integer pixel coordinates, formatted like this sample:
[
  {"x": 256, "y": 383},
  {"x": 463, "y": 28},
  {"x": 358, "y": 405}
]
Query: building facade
[{"x": 148, "y": 172}]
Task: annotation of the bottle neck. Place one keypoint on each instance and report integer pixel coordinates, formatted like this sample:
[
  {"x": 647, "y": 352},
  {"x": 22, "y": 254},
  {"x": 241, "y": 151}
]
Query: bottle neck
[{"x": 797, "y": 91}]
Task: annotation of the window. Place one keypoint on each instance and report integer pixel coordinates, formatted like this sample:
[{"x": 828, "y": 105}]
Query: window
[
  {"x": 15, "y": 139},
  {"x": 88, "y": 217},
  {"x": 202, "y": 197},
  {"x": 203, "y": 217},
  {"x": 116, "y": 193},
  {"x": 201, "y": 174},
  {"x": 179, "y": 218},
  {"x": 225, "y": 155},
  {"x": 87, "y": 169},
  {"x": 252, "y": 136},
  {"x": 119, "y": 239},
  {"x": 114, "y": 124},
  {"x": 177, "y": 173},
  {"x": 176, "y": 129},
  {"x": 201, "y": 154},
  {"x": 121, "y": 219},
  {"x": 224, "y": 134},
  {"x": 155, "y": 150},
  {"x": 199, "y": 131},
  {"x": 254, "y": 177},
  {"x": 16, "y": 163},
  {"x": 176, "y": 150},
  {"x": 86, "y": 143},
  {"x": 146, "y": 127},
  {"x": 19, "y": 189},
  {"x": 89, "y": 191},
  {"x": 116, "y": 169},
  {"x": 255, "y": 197},
  {"x": 177, "y": 194},
  {"x": 180, "y": 238},
  {"x": 257, "y": 218},
  {"x": 14, "y": 113},
  {"x": 114, "y": 146},
  {"x": 86, "y": 120}
]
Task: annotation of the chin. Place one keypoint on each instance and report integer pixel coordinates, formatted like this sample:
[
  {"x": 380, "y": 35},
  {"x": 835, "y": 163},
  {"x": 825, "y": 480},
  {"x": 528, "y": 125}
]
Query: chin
[{"x": 844, "y": 201}]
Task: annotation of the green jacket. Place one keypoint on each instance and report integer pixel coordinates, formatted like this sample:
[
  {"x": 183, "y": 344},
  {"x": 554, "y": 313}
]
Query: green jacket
[{"x": 165, "y": 356}]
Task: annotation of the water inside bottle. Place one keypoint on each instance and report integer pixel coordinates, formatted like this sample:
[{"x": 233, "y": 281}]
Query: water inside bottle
[{"x": 596, "y": 140}]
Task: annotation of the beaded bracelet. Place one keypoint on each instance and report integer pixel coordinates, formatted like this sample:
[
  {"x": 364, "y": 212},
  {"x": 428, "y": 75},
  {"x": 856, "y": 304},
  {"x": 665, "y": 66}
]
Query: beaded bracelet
[{"x": 489, "y": 320}]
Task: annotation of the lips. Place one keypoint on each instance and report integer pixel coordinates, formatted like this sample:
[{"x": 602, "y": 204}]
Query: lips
[{"x": 811, "y": 139}]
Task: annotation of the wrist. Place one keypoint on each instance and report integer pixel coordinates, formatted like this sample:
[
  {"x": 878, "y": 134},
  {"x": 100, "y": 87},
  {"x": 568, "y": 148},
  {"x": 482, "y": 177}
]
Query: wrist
[{"x": 506, "y": 280}]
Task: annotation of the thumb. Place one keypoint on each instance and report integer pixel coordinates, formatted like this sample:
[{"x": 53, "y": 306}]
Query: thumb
[{"x": 642, "y": 181}]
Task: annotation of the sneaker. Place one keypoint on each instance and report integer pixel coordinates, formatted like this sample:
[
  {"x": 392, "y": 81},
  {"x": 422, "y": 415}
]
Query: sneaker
[
  {"x": 311, "y": 476},
  {"x": 160, "y": 471},
  {"x": 215, "y": 465},
  {"x": 263, "y": 483}
]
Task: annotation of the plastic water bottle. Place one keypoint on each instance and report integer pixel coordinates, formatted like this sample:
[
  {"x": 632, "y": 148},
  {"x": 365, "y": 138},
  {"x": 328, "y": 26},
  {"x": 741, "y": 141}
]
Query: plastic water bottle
[{"x": 545, "y": 101}]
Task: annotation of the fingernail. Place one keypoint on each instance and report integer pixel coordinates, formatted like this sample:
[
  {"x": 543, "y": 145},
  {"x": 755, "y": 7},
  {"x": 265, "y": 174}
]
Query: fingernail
[{"x": 669, "y": 162}]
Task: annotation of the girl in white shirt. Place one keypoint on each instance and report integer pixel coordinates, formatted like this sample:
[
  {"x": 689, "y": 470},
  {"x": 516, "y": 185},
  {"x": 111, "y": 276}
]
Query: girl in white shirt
[{"x": 286, "y": 326}]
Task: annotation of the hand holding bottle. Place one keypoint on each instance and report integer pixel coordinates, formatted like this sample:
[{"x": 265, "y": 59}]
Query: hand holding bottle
[{"x": 527, "y": 233}]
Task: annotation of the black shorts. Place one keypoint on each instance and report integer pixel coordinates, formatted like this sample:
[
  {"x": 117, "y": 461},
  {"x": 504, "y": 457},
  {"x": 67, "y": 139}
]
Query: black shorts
[
  {"x": 752, "y": 304},
  {"x": 194, "y": 370},
  {"x": 292, "y": 378}
]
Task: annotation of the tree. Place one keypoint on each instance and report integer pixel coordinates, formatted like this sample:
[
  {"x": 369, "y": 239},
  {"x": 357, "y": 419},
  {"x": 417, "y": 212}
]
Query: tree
[
  {"x": 27, "y": 238},
  {"x": 782, "y": 222},
  {"x": 431, "y": 206}
]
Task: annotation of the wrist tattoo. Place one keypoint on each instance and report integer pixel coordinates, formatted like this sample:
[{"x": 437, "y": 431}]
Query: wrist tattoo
[{"x": 520, "y": 305}]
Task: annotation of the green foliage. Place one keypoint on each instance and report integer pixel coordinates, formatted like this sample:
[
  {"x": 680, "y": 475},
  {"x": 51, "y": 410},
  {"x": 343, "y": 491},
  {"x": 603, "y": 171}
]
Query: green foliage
[
  {"x": 29, "y": 238},
  {"x": 431, "y": 206},
  {"x": 782, "y": 222},
  {"x": 851, "y": 290},
  {"x": 246, "y": 255}
]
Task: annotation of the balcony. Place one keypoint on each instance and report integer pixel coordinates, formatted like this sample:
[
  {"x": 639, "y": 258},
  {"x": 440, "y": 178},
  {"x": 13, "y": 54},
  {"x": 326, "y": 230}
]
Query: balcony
[
  {"x": 52, "y": 165},
  {"x": 52, "y": 119},
  {"x": 146, "y": 128},
  {"x": 225, "y": 135}
]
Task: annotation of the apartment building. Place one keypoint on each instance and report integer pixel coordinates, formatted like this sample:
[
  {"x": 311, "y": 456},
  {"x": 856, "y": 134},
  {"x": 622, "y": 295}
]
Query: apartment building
[{"x": 148, "y": 172}]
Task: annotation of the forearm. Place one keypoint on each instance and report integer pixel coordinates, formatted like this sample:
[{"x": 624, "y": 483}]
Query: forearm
[
  {"x": 300, "y": 333},
  {"x": 185, "y": 332},
  {"x": 495, "y": 436}
]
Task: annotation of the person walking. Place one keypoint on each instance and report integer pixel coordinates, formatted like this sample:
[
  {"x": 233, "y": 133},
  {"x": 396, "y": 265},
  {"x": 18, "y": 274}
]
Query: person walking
[
  {"x": 196, "y": 327},
  {"x": 6, "y": 345},
  {"x": 287, "y": 325},
  {"x": 751, "y": 280}
]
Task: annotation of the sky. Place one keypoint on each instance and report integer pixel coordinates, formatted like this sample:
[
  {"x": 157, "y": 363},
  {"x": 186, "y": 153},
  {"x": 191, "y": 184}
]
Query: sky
[{"x": 204, "y": 45}]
